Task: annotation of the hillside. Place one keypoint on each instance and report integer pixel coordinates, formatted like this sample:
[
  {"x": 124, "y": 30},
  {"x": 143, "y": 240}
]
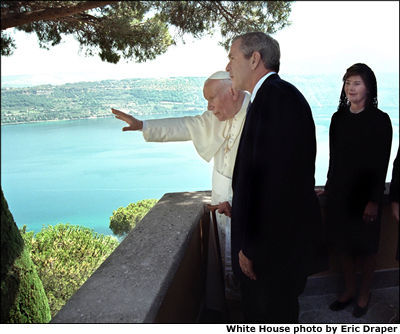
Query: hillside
[{"x": 94, "y": 99}]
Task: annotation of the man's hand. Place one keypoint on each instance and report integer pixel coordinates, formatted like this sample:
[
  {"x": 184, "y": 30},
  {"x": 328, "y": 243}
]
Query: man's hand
[
  {"x": 225, "y": 208},
  {"x": 370, "y": 212},
  {"x": 247, "y": 266},
  {"x": 134, "y": 124}
]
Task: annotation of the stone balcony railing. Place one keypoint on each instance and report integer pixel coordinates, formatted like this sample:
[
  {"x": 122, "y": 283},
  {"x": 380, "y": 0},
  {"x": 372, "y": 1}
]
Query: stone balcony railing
[{"x": 157, "y": 273}]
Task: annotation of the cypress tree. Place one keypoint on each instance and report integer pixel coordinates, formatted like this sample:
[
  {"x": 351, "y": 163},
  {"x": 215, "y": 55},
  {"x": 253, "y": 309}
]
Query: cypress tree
[{"x": 23, "y": 299}]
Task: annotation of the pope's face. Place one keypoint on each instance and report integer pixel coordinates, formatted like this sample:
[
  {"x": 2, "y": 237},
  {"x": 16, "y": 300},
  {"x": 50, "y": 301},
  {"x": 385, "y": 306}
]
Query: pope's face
[
  {"x": 220, "y": 100},
  {"x": 238, "y": 67}
]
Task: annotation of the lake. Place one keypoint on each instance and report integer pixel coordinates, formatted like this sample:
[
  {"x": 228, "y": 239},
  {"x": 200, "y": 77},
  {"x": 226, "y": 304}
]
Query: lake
[{"x": 79, "y": 171}]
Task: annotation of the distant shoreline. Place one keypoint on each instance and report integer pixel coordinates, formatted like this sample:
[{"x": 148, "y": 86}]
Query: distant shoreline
[
  {"x": 57, "y": 120},
  {"x": 89, "y": 100}
]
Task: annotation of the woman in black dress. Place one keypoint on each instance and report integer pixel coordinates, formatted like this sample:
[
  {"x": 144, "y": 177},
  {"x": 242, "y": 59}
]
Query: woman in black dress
[
  {"x": 394, "y": 193},
  {"x": 360, "y": 137}
]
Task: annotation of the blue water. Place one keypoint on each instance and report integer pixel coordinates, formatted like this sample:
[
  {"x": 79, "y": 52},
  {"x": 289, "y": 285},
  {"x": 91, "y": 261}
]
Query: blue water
[{"x": 78, "y": 172}]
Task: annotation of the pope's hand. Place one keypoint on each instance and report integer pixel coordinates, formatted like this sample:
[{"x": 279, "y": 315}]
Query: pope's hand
[
  {"x": 225, "y": 208},
  {"x": 134, "y": 123}
]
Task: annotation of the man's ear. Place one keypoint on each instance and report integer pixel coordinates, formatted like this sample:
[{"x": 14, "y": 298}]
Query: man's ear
[
  {"x": 234, "y": 93},
  {"x": 255, "y": 59}
]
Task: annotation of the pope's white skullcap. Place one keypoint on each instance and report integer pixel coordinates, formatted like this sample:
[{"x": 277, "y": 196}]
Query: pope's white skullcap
[{"x": 219, "y": 75}]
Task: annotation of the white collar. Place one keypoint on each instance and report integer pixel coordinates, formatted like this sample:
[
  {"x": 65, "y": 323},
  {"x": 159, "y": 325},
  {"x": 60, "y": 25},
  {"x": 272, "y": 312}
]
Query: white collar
[
  {"x": 245, "y": 100},
  {"x": 258, "y": 85}
]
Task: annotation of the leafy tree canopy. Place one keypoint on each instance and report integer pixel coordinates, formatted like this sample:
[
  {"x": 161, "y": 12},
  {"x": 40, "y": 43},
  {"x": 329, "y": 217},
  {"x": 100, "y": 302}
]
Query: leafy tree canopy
[{"x": 136, "y": 30}]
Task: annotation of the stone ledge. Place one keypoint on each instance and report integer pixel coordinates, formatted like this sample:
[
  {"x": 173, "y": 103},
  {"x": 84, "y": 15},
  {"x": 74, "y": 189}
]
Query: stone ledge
[{"x": 131, "y": 283}]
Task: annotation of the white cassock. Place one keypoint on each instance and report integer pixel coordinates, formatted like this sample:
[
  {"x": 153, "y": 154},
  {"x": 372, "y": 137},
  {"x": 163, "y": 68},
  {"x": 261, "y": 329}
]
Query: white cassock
[{"x": 212, "y": 139}]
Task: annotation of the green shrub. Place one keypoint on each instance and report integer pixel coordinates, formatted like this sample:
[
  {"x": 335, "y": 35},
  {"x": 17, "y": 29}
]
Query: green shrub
[
  {"x": 125, "y": 219},
  {"x": 66, "y": 256}
]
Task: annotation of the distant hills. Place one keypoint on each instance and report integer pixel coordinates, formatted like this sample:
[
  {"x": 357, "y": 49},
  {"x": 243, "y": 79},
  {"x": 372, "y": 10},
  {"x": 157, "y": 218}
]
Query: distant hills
[
  {"x": 94, "y": 99},
  {"x": 164, "y": 96}
]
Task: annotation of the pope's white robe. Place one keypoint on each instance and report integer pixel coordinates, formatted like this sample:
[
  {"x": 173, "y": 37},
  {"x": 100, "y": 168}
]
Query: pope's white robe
[{"x": 212, "y": 139}]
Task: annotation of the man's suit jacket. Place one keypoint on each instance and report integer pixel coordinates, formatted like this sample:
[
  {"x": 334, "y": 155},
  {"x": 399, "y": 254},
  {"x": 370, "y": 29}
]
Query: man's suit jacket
[{"x": 276, "y": 219}]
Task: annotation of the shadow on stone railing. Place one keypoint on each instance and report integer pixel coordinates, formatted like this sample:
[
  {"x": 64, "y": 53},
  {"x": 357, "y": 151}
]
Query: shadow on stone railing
[{"x": 157, "y": 272}]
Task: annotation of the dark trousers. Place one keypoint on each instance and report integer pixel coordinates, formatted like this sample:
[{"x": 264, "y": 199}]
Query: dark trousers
[{"x": 272, "y": 300}]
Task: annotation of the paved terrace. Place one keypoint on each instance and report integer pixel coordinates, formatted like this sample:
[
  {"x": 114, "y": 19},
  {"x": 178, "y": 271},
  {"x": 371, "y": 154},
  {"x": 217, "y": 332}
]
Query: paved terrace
[{"x": 383, "y": 306}]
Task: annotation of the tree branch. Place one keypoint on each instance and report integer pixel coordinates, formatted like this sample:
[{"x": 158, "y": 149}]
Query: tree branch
[
  {"x": 13, "y": 20},
  {"x": 224, "y": 13}
]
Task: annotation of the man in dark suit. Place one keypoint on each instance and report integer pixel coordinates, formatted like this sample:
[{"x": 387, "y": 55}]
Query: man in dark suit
[{"x": 275, "y": 213}]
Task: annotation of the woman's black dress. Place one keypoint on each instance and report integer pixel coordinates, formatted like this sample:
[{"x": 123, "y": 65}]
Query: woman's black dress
[
  {"x": 394, "y": 193},
  {"x": 359, "y": 156}
]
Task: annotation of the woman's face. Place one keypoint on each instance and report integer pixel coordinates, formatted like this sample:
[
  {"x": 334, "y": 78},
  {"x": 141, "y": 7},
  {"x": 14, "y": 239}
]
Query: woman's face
[{"x": 356, "y": 91}]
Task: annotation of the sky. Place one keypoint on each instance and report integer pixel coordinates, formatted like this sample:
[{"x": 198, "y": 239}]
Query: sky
[{"x": 325, "y": 37}]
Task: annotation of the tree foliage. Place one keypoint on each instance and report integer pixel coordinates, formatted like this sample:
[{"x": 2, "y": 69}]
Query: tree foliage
[
  {"x": 65, "y": 256},
  {"x": 137, "y": 30},
  {"x": 125, "y": 219}
]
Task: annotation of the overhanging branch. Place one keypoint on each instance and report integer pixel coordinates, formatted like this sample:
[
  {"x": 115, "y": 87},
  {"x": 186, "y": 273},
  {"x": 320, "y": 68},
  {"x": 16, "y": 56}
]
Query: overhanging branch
[{"x": 13, "y": 20}]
